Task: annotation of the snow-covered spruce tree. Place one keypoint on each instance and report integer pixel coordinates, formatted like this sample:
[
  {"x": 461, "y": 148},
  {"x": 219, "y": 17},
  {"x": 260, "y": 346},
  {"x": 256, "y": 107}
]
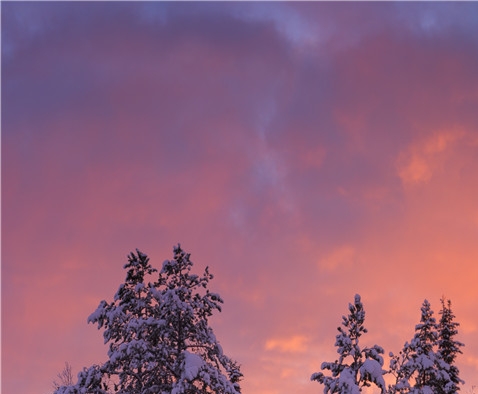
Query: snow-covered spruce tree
[
  {"x": 416, "y": 366},
  {"x": 448, "y": 348},
  {"x": 158, "y": 334},
  {"x": 356, "y": 367},
  {"x": 423, "y": 356}
]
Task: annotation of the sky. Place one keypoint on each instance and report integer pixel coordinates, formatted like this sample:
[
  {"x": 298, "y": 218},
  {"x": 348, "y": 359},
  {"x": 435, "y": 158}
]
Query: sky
[{"x": 305, "y": 152}]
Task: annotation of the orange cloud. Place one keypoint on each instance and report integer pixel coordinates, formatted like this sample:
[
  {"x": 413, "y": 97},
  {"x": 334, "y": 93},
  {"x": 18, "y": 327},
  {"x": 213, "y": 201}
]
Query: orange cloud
[
  {"x": 294, "y": 344},
  {"x": 342, "y": 257},
  {"x": 418, "y": 163}
]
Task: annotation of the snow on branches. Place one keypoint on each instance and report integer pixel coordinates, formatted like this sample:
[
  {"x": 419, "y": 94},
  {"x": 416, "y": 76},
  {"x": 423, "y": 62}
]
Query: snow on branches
[
  {"x": 356, "y": 367},
  {"x": 426, "y": 364},
  {"x": 158, "y": 335}
]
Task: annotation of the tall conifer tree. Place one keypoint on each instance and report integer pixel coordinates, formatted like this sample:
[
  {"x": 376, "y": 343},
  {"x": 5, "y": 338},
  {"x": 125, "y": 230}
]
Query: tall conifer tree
[{"x": 448, "y": 349}]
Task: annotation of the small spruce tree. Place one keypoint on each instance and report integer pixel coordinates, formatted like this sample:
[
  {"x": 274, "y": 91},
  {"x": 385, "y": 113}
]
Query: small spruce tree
[
  {"x": 356, "y": 367},
  {"x": 158, "y": 335},
  {"x": 401, "y": 369}
]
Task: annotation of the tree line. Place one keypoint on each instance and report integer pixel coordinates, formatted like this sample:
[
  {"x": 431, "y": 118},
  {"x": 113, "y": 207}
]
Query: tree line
[
  {"x": 159, "y": 341},
  {"x": 425, "y": 365}
]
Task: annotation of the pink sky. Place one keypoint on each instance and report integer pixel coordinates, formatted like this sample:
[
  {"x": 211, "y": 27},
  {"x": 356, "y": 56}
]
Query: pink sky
[{"x": 306, "y": 152}]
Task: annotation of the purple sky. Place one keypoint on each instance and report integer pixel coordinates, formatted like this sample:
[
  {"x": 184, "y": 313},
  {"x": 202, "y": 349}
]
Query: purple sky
[{"x": 306, "y": 152}]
